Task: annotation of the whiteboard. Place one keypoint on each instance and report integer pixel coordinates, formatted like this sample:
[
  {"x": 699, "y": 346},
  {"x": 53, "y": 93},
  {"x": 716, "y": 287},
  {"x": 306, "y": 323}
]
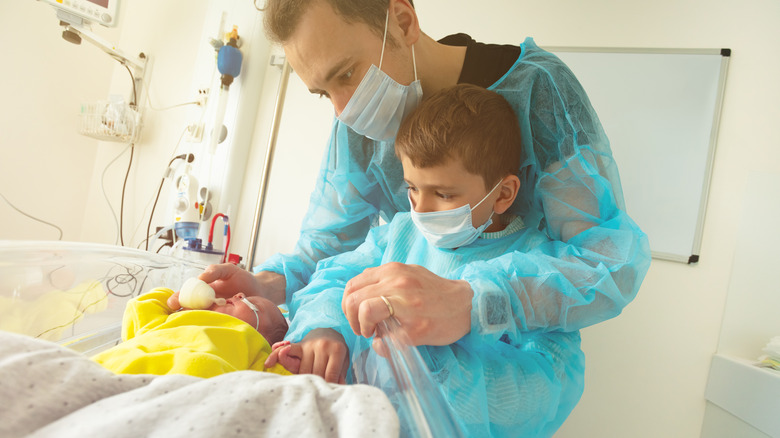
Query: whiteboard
[{"x": 660, "y": 109}]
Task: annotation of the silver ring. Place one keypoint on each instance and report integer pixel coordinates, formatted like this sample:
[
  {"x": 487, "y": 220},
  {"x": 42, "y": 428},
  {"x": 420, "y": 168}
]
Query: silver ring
[{"x": 389, "y": 306}]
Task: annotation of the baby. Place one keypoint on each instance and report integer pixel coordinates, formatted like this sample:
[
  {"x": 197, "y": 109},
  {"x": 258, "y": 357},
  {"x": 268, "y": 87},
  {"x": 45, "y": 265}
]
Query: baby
[{"x": 161, "y": 337}]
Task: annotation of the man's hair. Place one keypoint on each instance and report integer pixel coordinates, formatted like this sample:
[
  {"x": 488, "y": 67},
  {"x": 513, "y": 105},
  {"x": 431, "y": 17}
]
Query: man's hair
[
  {"x": 281, "y": 17},
  {"x": 465, "y": 122}
]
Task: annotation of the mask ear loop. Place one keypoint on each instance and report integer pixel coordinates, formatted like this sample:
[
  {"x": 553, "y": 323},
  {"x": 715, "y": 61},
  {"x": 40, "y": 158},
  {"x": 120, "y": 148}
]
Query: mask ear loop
[
  {"x": 488, "y": 194},
  {"x": 384, "y": 41},
  {"x": 254, "y": 309}
]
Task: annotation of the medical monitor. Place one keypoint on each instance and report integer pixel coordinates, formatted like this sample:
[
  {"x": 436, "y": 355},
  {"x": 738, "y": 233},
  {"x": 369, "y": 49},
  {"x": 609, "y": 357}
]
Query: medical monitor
[{"x": 79, "y": 11}]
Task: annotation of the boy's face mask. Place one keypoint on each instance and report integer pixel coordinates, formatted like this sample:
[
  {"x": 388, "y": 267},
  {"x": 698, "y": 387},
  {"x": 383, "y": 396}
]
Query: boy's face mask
[
  {"x": 379, "y": 103},
  {"x": 450, "y": 228}
]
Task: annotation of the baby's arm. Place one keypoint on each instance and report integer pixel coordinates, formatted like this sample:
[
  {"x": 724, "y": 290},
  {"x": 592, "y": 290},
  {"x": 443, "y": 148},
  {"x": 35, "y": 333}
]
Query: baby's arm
[{"x": 145, "y": 312}]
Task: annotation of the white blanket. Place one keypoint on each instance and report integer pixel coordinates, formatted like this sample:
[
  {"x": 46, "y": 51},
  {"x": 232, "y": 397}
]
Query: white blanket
[{"x": 49, "y": 391}]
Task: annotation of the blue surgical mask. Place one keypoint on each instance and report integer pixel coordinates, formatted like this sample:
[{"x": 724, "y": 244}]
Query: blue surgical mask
[
  {"x": 450, "y": 228},
  {"x": 379, "y": 103}
]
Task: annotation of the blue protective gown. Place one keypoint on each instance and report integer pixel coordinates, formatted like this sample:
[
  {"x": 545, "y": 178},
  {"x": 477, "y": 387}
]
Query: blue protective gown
[
  {"x": 524, "y": 384},
  {"x": 595, "y": 258}
]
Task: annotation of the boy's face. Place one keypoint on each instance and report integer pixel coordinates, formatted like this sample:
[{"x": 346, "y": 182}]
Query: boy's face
[
  {"x": 268, "y": 314},
  {"x": 446, "y": 187}
]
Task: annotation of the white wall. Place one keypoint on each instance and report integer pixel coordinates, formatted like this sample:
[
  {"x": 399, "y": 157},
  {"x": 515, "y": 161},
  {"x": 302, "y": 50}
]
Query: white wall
[
  {"x": 45, "y": 165},
  {"x": 647, "y": 369},
  {"x": 50, "y": 171}
]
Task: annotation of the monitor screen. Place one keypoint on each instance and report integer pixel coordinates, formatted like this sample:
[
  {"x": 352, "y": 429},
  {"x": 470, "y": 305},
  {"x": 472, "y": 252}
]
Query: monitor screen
[{"x": 79, "y": 12}]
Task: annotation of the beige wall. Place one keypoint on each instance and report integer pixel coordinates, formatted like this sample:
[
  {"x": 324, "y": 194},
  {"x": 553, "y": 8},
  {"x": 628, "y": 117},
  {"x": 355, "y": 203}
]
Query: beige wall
[{"x": 45, "y": 165}]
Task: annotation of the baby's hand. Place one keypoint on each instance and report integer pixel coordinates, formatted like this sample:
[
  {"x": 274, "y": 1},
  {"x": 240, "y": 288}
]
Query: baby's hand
[
  {"x": 173, "y": 302},
  {"x": 287, "y": 355}
]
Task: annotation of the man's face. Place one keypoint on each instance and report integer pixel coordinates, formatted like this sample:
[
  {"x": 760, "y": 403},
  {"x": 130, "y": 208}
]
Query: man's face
[
  {"x": 331, "y": 56},
  {"x": 448, "y": 186}
]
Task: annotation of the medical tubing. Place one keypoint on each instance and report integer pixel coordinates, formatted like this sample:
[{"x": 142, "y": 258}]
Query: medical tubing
[
  {"x": 211, "y": 233},
  {"x": 157, "y": 236}
]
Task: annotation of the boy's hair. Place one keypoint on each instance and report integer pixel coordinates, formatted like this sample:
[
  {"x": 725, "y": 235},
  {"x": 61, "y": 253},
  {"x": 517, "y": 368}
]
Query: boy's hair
[
  {"x": 281, "y": 17},
  {"x": 465, "y": 122}
]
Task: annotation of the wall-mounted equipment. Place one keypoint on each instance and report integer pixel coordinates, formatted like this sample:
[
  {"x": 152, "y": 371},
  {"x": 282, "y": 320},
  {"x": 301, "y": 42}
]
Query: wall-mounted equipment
[
  {"x": 115, "y": 119},
  {"x": 78, "y": 12}
]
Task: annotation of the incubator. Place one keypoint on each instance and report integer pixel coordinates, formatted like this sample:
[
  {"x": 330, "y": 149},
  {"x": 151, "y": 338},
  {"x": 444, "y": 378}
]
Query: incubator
[{"x": 74, "y": 294}]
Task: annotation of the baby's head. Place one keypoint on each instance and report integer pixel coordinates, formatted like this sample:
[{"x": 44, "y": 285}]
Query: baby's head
[
  {"x": 461, "y": 145},
  {"x": 258, "y": 312}
]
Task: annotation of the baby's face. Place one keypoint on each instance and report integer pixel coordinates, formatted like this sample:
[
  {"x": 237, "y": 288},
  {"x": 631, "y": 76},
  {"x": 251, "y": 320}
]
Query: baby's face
[{"x": 267, "y": 319}]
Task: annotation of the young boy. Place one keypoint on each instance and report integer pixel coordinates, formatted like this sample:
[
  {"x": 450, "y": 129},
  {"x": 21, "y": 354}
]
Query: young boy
[
  {"x": 460, "y": 151},
  {"x": 202, "y": 343}
]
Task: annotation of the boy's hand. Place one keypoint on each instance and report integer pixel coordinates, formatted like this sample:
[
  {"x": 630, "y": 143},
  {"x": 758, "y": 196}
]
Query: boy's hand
[
  {"x": 287, "y": 355},
  {"x": 325, "y": 354}
]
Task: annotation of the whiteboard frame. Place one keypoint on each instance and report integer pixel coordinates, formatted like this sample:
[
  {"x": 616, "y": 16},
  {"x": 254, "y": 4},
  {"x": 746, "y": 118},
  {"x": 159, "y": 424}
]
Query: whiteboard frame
[{"x": 725, "y": 54}]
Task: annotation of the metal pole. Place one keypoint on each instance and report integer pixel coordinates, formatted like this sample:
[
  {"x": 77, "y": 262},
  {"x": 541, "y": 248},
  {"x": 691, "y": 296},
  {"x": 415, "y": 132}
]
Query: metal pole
[{"x": 269, "y": 155}]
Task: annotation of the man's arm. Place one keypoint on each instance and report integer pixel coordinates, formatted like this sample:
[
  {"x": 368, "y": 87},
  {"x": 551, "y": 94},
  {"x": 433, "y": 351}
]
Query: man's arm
[{"x": 343, "y": 207}]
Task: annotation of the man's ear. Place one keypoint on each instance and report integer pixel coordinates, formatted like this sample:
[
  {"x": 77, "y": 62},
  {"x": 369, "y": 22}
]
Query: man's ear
[
  {"x": 406, "y": 17},
  {"x": 510, "y": 185}
]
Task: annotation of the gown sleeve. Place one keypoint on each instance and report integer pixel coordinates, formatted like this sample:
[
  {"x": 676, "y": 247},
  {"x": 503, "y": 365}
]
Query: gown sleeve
[
  {"x": 356, "y": 186},
  {"x": 597, "y": 256},
  {"x": 318, "y": 305}
]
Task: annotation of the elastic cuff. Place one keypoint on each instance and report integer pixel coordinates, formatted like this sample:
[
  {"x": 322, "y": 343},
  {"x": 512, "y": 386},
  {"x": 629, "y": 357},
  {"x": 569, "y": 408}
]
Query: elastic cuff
[{"x": 491, "y": 312}]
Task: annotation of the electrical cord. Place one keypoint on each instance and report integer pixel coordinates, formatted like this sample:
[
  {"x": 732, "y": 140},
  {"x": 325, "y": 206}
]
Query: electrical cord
[
  {"x": 189, "y": 158},
  {"x": 151, "y": 198},
  {"x": 149, "y": 100},
  {"x": 132, "y": 79},
  {"x": 105, "y": 195},
  {"x": 32, "y": 217},
  {"x": 122, "y": 202}
]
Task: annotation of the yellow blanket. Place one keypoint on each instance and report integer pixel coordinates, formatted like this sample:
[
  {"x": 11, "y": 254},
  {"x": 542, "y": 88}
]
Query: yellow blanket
[
  {"x": 199, "y": 343},
  {"x": 48, "y": 315}
]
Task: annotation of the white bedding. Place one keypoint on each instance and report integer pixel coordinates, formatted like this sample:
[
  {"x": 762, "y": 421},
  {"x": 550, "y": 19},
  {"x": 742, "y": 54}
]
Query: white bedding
[{"x": 47, "y": 390}]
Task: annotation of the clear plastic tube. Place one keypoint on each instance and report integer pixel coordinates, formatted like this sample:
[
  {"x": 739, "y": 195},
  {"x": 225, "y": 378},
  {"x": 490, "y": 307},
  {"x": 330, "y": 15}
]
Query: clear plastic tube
[{"x": 422, "y": 409}]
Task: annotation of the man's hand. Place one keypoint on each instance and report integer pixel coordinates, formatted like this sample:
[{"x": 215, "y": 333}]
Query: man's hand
[
  {"x": 432, "y": 310},
  {"x": 228, "y": 279}
]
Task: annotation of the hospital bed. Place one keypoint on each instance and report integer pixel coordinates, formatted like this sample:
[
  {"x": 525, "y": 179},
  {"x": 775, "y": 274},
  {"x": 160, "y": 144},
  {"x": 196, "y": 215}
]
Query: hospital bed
[{"x": 62, "y": 302}]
